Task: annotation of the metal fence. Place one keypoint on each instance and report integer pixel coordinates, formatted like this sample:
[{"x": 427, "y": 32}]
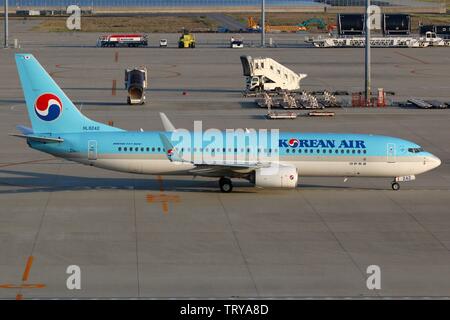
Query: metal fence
[
  {"x": 155, "y": 3},
  {"x": 43, "y": 4}
]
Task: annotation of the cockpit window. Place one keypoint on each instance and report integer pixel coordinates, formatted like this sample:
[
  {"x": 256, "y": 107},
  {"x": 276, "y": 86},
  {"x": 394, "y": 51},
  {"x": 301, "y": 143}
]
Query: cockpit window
[{"x": 415, "y": 150}]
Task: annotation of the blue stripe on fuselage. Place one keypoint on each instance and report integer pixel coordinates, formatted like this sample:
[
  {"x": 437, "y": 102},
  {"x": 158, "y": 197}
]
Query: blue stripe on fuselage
[{"x": 327, "y": 143}]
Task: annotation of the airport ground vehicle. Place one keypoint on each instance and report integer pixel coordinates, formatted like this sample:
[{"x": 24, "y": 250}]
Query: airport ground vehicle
[
  {"x": 319, "y": 23},
  {"x": 236, "y": 43},
  {"x": 124, "y": 40},
  {"x": 135, "y": 83},
  {"x": 187, "y": 40},
  {"x": 271, "y": 161},
  {"x": 163, "y": 43},
  {"x": 267, "y": 74}
]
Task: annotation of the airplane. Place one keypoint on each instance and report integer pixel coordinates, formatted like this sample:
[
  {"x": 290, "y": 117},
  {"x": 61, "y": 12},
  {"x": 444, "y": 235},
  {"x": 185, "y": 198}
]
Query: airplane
[{"x": 60, "y": 129}]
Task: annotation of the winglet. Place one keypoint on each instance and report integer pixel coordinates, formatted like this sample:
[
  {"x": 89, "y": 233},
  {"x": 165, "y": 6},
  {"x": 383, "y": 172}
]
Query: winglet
[
  {"x": 168, "y": 126},
  {"x": 171, "y": 151}
]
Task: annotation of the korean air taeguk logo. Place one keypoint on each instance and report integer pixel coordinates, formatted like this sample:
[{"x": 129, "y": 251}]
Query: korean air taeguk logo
[{"x": 48, "y": 107}]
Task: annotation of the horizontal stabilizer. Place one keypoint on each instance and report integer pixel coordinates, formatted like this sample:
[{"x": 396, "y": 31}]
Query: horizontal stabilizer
[
  {"x": 37, "y": 138},
  {"x": 24, "y": 130}
]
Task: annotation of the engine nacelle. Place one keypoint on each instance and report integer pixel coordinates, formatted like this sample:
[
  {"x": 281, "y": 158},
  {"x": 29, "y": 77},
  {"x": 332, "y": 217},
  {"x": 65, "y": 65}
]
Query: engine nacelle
[{"x": 275, "y": 176}]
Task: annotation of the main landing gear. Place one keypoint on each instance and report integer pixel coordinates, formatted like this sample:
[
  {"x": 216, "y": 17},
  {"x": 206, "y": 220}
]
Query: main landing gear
[{"x": 225, "y": 185}]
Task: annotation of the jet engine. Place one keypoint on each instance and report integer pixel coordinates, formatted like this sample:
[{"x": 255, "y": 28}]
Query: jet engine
[{"x": 275, "y": 176}]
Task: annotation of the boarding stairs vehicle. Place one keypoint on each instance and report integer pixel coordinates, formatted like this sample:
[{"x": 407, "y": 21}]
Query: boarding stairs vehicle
[
  {"x": 266, "y": 74},
  {"x": 135, "y": 83}
]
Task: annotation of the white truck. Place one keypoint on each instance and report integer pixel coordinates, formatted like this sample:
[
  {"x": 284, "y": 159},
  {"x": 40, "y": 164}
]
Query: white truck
[
  {"x": 266, "y": 74},
  {"x": 135, "y": 84}
]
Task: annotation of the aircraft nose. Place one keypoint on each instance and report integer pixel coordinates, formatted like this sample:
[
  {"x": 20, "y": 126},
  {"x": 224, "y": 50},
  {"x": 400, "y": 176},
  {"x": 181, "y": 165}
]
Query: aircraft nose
[{"x": 435, "y": 161}]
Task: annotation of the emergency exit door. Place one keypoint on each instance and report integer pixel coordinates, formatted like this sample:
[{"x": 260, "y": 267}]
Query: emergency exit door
[
  {"x": 92, "y": 150},
  {"x": 391, "y": 153}
]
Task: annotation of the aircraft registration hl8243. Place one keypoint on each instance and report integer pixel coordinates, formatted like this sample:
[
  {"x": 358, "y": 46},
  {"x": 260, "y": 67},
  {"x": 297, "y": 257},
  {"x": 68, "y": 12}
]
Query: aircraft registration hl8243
[{"x": 60, "y": 129}]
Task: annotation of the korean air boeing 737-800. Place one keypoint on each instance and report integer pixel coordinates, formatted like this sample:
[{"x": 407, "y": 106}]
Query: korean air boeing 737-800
[{"x": 272, "y": 160}]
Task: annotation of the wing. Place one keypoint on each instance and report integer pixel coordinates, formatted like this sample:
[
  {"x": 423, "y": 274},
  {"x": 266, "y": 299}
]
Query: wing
[{"x": 213, "y": 168}]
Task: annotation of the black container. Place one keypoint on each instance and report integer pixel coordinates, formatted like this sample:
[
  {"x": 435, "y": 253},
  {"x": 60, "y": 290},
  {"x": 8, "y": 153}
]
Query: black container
[
  {"x": 397, "y": 24},
  {"x": 425, "y": 28},
  {"x": 443, "y": 30},
  {"x": 350, "y": 24}
]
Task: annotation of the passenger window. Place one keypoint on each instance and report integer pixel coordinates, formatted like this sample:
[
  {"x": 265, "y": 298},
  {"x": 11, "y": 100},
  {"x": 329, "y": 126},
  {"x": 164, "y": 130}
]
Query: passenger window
[
  {"x": 147, "y": 149},
  {"x": 159, "y": 149},
  {"x": 287, "y": 150},
  {"x": 153, "y": 149},
  {"x": 364, "y": 151},
  {"x": 293, "y": 150},
  {"x": 353, "y": 151},
  {"x": 142, "y": 149},
  {"x": 120, "y": 149}
]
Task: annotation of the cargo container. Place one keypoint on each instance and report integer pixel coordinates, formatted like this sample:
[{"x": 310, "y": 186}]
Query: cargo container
[
  {"x": 350, "y": 24},
  {"x": 396, "y": 24},
  {"x": 423, "y": 29},
  {"x": 443, "y": 31}
]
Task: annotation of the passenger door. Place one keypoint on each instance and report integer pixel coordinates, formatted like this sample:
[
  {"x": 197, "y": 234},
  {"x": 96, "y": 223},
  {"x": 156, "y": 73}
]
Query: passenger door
[
  {"x": 391, "y": 153},
  {"x": 92, "y": 150}
]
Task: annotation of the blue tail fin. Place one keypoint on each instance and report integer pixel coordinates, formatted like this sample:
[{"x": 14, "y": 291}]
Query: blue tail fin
[{"x": 49, "y": 109}]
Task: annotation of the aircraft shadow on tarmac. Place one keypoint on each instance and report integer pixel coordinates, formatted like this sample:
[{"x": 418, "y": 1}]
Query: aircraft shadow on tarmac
[{"x": 46, "y": 182}]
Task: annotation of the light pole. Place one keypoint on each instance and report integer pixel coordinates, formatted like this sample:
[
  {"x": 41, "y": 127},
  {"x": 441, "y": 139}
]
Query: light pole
[
  {"x": 263, "y": 23},
  {"x": 6, "y": 24},
  {"x": 367, "y": 83}
]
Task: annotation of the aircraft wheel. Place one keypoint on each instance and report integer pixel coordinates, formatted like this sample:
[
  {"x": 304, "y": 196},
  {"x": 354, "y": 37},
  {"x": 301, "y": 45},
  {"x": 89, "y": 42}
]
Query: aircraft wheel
[
  {"x": 395, "y": 186},
  {"x": 225, "y": 185}
]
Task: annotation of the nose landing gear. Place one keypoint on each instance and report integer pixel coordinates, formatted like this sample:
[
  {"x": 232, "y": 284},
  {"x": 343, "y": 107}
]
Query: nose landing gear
[
  {"x": 395, "y": 186},
  {"x": 225, "y": 185}
]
